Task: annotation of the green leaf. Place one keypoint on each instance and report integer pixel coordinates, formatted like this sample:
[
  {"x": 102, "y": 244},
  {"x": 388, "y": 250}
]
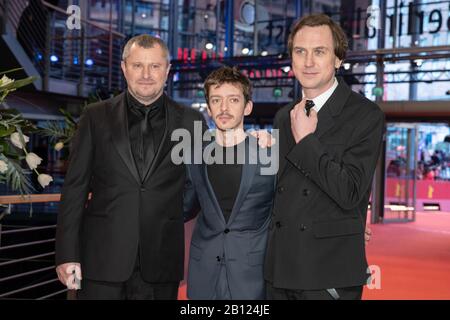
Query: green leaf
[
  {"x": 4, "y": 146},
  {"x": 18, "y": 84},
  {"x": 16, "y": 177},
  {"x": 12, "y": 118},
  {"x": 68, "y": 117},
  {"x": 9, "y": 71},
  {"x": 6, "y": 132}
]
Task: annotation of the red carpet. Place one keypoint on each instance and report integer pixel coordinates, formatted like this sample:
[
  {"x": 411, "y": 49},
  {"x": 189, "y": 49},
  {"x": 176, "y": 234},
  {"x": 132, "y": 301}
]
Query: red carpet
[{"x": 414, "y": 258}]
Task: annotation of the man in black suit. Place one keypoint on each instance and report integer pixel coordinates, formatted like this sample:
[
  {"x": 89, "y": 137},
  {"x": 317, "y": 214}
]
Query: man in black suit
[
  {"x": 329, "y": 146},
  {"x": 127, "y": 241}
]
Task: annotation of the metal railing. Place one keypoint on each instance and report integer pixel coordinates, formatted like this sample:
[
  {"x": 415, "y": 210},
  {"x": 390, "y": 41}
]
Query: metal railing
[
  {"x": 27, "y": 268},
  {"x": 88, "y": 56}
]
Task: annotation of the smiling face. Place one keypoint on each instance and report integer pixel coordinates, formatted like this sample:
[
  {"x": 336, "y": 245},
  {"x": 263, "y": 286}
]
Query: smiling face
[
  {"x": 146, "y": 71},
  {"x": 227, "y": 106},
  {"x": 313, "y": 59}
]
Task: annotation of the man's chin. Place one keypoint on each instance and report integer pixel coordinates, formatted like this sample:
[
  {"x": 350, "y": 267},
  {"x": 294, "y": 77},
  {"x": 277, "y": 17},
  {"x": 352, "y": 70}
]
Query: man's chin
[
  {"x": 146, "y": 95},
  {"x": 226, "y": 128},
  {"x": 222, "y": 128},
  {"x": 309, "y": 83}
]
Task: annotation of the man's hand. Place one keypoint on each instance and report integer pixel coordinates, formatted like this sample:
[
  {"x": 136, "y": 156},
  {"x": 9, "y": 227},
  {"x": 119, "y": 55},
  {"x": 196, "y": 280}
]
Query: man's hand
[
  {"x": 367, "y": 235},
  {"x": 265, "y": 139},
  {"x": 301, "y": 124},
  {"x": 70, "y": 275}
]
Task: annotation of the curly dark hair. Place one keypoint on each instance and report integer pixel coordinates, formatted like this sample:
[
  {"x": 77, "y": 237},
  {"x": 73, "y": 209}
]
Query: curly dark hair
[{"x": 228, "y": 75}]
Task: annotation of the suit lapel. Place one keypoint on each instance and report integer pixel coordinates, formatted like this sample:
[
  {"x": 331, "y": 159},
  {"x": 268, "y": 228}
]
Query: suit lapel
[
  {"x": 212, "y": 194},
  {"x": 325, "y": 121},
  {"x": 173, "y": 121},
  {"x": 331, "y": 108},
  {"x": 286, "y": 140},
  {"x": 209, "y": 188},
  {"x": 118, "y": 120},
  {"x": 247, "y": 175}
]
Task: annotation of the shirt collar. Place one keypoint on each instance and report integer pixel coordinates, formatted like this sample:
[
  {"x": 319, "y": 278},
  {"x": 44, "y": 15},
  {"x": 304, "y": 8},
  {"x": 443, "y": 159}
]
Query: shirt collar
[
  {"x": 321, "y": 99},
  {"x": 140, "y": 108}
]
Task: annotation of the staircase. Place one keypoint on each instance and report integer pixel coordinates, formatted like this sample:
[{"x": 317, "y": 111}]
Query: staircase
[{"x": 35, "y": 36}]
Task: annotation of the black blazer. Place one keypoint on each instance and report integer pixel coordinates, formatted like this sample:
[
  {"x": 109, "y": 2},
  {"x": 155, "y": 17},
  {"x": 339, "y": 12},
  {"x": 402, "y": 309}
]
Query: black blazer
[
  {"x": 316, "y": 239},
  {"x": 124, "y": 213}
]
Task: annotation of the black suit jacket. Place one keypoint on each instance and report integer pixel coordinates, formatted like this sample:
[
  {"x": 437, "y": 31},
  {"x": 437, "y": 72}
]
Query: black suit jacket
[
  {"x": 316, "y": 239},
  {"x": 124, "y": 212}
]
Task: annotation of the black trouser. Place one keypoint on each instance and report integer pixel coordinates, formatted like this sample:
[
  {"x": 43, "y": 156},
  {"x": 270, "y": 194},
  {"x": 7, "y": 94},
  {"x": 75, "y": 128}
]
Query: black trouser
[
  {"x": 134, "y": 288},
  {"x": 348, "y": 293}
]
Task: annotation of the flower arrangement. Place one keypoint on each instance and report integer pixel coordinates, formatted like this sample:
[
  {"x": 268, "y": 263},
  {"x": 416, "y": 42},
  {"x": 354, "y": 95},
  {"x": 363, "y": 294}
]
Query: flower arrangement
[
  {"x": 13, "y": 142},
  {"x": 60, "y": 134}
]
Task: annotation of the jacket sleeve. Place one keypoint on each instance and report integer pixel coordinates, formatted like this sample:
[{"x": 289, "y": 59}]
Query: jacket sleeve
[
  {"x": 191, "y": 205},
  {"x": 346, "y": 181},
  {"x": 75, "y": 192}
]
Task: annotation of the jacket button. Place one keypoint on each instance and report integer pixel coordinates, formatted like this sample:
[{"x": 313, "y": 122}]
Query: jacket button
[
  {"x": 143, "y": 189},
  {"x": 302, "y": 227},
  {"x": 306, "y": 192},
  {"x": 218, "y": 259},
  {"x": 307, "y": 174},
  {"x": 278, "y": 224},
  {"x": 280, "y": 189},
  {"x": 226, "y": 230}
]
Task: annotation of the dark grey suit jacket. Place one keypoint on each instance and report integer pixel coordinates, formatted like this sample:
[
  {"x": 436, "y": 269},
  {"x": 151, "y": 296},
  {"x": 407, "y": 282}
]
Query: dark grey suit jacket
[{"x": 241, "y": 241}]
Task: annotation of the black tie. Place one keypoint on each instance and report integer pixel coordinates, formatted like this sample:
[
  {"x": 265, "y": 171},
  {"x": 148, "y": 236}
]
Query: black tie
[
  {"x": 147, "y": 143},
  {"x": 308, "y": 106}
]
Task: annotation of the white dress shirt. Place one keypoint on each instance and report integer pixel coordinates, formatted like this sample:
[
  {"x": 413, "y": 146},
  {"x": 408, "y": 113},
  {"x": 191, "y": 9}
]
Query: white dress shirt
[{"x": 320, "y": 100}]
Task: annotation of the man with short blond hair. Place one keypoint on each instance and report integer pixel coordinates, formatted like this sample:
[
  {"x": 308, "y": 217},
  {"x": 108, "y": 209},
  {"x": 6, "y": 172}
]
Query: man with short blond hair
[{"x": 127, "y": 241}]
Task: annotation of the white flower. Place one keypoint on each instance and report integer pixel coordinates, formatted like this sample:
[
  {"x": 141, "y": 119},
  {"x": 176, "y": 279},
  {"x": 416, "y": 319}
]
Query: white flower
[
  {"x": 59, "y": 146},
  {"x": 33, "y": 160},
  {"x": 15, "y": 139},
  {"x": 5, "y": 81},
  {"x": 3, "y": 166},
  {"x": 44, "y": 179}
]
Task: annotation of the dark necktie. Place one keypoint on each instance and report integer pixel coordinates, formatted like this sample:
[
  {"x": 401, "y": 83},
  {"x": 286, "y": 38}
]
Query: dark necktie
[
  {"x": 147, "y": 143},
  {"x": 308, "y": 106}
]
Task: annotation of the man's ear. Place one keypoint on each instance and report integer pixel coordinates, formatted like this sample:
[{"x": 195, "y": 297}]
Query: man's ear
[
  {"x": 248, "y": 108},
  {"x": 123, "y": 66},
  {"x": 337, "y": 63},
  {"x": 168, "y": 70},
  {"x": 208, "y": 110}
]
